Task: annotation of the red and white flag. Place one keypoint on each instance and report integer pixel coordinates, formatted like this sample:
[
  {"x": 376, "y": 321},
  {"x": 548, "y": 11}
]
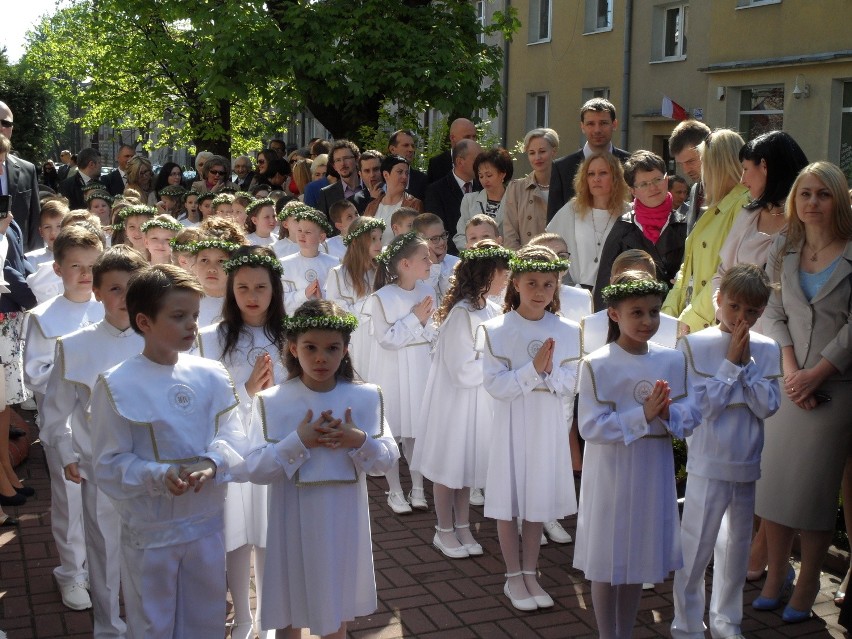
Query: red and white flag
[{"x": 672, "y": 109}]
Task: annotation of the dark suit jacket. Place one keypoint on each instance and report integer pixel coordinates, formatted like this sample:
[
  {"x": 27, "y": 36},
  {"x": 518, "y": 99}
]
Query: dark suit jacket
[
  {"x": 417, "y": 183},
  {"x": 243, "y": 185},
  {"x": 114, "y": 182},
  {"x": 562, "y": 178},
  {"x": 15, "y": 270},
  {"x": 23, "y": 187},
  {"x": 361, "y": 199},
  {"x": 443, "y": 198},
  {"x": 329, "y": 195},
  {"x": 72, "y": 188},
  {"x": 439, "y": 166}
]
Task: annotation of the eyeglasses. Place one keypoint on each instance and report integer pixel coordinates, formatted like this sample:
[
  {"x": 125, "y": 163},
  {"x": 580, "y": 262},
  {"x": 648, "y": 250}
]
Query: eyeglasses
[
  {"x": 650, "y": 183},
  {"x": 215, "y": 172},
  {"x": 439, "y": 239},
  {"x": 344, "y": 159},
  {"x": 7, "y": 124}
]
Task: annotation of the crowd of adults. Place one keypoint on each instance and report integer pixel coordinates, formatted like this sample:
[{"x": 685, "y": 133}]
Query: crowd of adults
[{"x": 757, "y": 202}]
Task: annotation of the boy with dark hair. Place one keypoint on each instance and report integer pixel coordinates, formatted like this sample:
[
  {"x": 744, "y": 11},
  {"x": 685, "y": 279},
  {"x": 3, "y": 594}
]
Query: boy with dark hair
[
  {"x": 342, "y": 213},
  {"x": 80, "y": 357},
  {"x": 165, "y": 423}
]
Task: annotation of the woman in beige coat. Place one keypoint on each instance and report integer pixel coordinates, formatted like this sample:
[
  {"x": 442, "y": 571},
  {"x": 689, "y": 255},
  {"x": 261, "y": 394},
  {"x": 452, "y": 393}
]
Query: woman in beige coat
[{"x": 525, "y": 203}]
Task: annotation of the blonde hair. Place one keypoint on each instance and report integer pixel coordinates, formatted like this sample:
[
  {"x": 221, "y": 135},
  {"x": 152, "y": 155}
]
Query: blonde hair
[
  {"x": 584, "y": 202},
  {"x": 549, "y": 135},
  {"x": 721, "y": 169},
  {"x": 633, "y": 260}
]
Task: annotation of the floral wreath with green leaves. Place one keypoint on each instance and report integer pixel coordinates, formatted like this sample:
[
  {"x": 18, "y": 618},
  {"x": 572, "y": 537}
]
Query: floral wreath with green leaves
[
  {"x": 134, "y": 210},
  {"x": 521, "y": 265},
  {"x": 489, "y": 253},
  {"x": 254, "y": 259},
  {"x": 395, "y": 247},
  {"x": 173, "y": 190},
  {"x": 640, "y": 288},
  {"x": 254, "y": 205},
  {"x": 212, "y": 243},
  {"x": 302, "y": 323},
  {"x": 190, "y": 193},
  {"x": 94, "y": 185},
  {"x": 178, "y": 247},
  {"x": 316, "y": 217},
  {"x": 98, "y": 195},
  {"x": 289, "y": 210},
  {"x": 168, "y": 225},
  {"x": 223, "y": 198},
  {"x": 369, "y": 225}
]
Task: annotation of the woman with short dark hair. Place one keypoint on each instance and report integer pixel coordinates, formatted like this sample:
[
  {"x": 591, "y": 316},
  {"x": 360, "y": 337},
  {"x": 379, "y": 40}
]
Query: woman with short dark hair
[
  {"x": 493, "y": 168},
  {"x": 395, "y": 171}
]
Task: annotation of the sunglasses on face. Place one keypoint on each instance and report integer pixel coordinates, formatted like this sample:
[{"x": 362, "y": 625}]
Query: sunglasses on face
[
  {"x": 7, "y": 124},
  {"x": 216, "y": 172}
]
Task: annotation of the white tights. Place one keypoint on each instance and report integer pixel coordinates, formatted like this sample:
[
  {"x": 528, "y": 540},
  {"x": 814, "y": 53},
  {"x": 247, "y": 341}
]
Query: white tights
[
  {"x": 392, "y": 475},
  {"x": 615, "y": 608},
  {"x": 239, "y": 570}
]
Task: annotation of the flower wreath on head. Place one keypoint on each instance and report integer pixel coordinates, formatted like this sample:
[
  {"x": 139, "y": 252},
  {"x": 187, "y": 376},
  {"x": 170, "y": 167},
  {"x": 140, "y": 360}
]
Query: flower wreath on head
[
  {"x": 98, "y": 195},
  {"x": 223, "y": 198},
  {"x": 493, "y": 252},
  {"x": 617, "y": 292},
  {"x": 178, "y": 247},
  {"x": 254, "y": 259},
  {"x": 259, "y": 204},
  {"x": 395, "y": 247},
  {"x": 189, "y": 193},
  {"x": 291, "y": 209},
  {"x": 93, "y": 185},
  {"x": 521, "y": 265},
  {"x": 173, "y": 190},
  {"x": 299, "y": 324},
  {"x": 168, "y": 225},
  {"x": 316, "y": 217},
  {"x": 132, "y": 211},
  {"x": 211, "y": 243},
  {"x": 367, "y": 226}
]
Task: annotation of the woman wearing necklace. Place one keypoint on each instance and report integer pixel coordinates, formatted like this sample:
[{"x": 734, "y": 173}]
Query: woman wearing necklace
[
  {"x": 587, "y": 219},
  {"x": 494, "y": 170},
  {"x": 652, "y": 226},
  {"x": 525, "y": 205},
  {"x": 395, "y": 174},
  {"x": 807, "y": 440}
]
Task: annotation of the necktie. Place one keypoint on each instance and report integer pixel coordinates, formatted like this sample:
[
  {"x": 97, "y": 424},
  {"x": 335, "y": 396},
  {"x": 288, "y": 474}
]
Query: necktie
[{"x": 467, "y": 187}]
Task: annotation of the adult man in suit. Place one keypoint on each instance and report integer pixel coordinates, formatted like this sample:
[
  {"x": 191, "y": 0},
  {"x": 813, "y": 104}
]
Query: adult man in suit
[
  {"x": 344, "y": 158},
  {"x": 19, "y": 180},
  {"x": 89, "y": 168},
  {"x": 116, "y": 180},
  {"x": 244, "y": 173},
  {"x": 370, "y": 172},
  {"x": 597, "y": 122},
  {"x": 441, "y": 165},
  {"x": 67, "y": 160},
  {"x": 683, "y": 143},
  {"x": 402, "y": 143},
  {"x": 443, "y": 198}
]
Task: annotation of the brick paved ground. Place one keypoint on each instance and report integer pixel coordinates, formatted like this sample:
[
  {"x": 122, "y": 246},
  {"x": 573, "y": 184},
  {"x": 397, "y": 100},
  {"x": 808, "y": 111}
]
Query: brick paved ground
[{"x": 421, "y": 594}]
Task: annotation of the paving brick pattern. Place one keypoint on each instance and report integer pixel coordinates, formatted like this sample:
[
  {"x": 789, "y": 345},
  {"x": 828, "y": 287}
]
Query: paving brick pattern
[{"x": 421, "y": 593}]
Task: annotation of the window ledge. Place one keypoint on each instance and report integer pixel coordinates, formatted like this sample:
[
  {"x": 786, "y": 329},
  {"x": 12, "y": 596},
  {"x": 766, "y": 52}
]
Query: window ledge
[
  {"x": 596, "y": 31},
  {"x": 757, "y": 5},
  {"x": 543, "y": 41},
  {"x": 676, "y": 58}
]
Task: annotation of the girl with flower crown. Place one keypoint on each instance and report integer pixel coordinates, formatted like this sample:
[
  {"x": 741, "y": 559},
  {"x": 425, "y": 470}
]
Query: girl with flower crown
[
  {"x": 400, "y": 311},
  {"x": 455, "y": 424},
  {"x": 261, "y": 222},
  {"x": 632, "y": 400},
  {"x": 249, "y": 342},
  {"x": 349, "y": 285},
  {"x": 530, "y": 365},
  {"x": 313, "y": 439},
  {"x": 210, "y": 255}
]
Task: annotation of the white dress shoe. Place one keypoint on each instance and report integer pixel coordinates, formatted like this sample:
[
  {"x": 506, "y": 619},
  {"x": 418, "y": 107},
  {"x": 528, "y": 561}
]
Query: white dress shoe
[
  {"x": 452, "y": 553},
  {"x": 418, "y": 499},
  {"x": 525, "y": 605},
  {"x": 556, "y": 532},
  {"x": 542, "y": 601},
  {"x": 398, "y": 503},
  {"x": 477, "y": 497},
  {"x": 474, "y": 549},
  {"x": 75, "y": 597}
]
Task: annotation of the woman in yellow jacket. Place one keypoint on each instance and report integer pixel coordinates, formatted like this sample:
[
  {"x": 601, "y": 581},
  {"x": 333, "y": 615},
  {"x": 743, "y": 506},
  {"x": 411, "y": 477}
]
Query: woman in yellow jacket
[{"x": 691, "y": 297}]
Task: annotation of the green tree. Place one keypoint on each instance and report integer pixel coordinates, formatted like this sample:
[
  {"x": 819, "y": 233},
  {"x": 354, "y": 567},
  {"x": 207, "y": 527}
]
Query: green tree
[
  {"x": 188, "y": 73},
  {"x": 350, "y": 58}
]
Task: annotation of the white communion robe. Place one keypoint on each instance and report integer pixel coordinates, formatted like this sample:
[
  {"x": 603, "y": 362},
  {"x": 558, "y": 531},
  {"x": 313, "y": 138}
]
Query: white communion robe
[
  {"x": 339, "y": 289},
  {"x": 628, "y": 530},
  {"x": 454, "y": 436},
  {"x": 529, "y": 467},
  {"x": 319, "y": 558},
  {"x": 284, "y": 246},
  {"x": 245, "y": 503},
  {"x": 399, "y": 361},
  {"x": 439, "y": 277},
  {"x": 575, "y": 303},
  {"x": 299, "y": 272},
  {"x": 595, "y": 328}
]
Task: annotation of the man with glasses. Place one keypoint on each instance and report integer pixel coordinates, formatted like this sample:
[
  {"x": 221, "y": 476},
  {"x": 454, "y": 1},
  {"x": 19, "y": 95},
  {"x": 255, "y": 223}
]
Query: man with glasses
[
  {"x": 20, "y": 181},
  {"x": 244, "y": 173},
  {"x": 344, "y": 158},
  {"x": 116, "y": 180}
]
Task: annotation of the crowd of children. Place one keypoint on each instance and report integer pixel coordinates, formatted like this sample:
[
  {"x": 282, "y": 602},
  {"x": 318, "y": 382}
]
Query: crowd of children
[{"x": 212, "y": 390}]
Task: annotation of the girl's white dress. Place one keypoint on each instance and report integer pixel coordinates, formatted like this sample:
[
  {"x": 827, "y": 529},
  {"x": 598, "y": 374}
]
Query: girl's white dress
[
  {"x": 300, "y": 272},
  {"x": 339, "y": 289},
  {"x": 284, "y": 246},
  {"x": 255, "y": 239},
  {"x": 628, "y": 529},
  {"x": 456, "y": 421},
  {"x": 399, "y": 360},
  {"x": 529, "y": 467},
  {"x": 319, "y": 556},
  {"x": 210, "y": 311},
  {"x": 245, "y": 503}
]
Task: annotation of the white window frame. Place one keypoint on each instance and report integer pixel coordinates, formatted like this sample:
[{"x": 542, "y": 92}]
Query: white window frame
[
  {"x": 740, "y": 113},
  {"x": 538, "y": 9},
  {"x": 683, "y": 26},
  {"x": 480, "y": 17},
  {"x": 844, "y": 109},
  {"x": 591, "y": 20},
  {"x": 533, "y": 102}
]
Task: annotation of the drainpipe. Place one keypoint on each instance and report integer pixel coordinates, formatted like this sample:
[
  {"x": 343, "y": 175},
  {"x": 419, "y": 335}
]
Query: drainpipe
[
  {"x": 504, "y": 124},
  {"x": 625, "y": 79}
]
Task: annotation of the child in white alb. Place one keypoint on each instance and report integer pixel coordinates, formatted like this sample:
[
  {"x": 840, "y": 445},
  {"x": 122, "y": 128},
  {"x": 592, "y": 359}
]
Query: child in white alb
[
  {"x": 261, "y": 222},
  {"x": 734, "y": 375},
  {"x": 431, "y": 228},
  {"x": 80, "y": 357},
  {"x": 50, "y": 223},
  {"x": 210, "y": 256},
  {"x": 306, "y": 272},
  {"x": 342, "y": 214},
  {"x": 76, "y": 250}
]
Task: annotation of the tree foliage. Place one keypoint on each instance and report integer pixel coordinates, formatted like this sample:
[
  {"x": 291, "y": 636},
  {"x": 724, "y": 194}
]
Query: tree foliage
[
  {"x": 349, "y": 58},
  {"x": 195, "y": 72}
]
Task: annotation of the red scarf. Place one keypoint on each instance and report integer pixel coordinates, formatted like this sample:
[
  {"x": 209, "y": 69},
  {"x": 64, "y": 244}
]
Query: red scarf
[{"x": 653, "y": 219}]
